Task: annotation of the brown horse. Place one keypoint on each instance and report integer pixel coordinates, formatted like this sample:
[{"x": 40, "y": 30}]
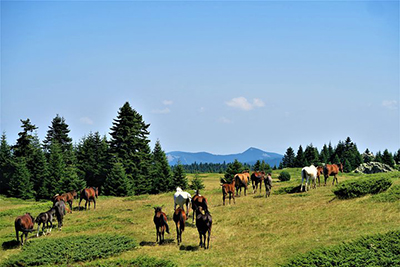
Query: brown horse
[
  {"x": 67, "y": 198},
  {"x": 203, "y": 224},
  {"x": 89, "y": 194},
  {"x": 25, "y": 225},
  {"x": 160, "y": 220},
  {"x": 241, "y": 180},
  {"x": 179, "y": 219},
  {"x": 268, "y": 185},
  {"x": 228, "y": 189},
  {"x": 331, "y": 170},
  {"x": 257, "y": 178},
  {"x": 198, "y": 201},
  {"x": 320, "y": 170}
]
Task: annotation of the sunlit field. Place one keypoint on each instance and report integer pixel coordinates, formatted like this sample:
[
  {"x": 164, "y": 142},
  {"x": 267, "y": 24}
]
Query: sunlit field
[{"x": 256, "y": 231}]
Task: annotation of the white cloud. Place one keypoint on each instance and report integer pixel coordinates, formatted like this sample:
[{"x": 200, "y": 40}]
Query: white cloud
[
  {"x": 243, "y": 104},
  {"x": 225, "y": 120},
  {"x": 168, "y": 102},
  {"x": 390, "y": 104},
  {"x": 86, "y": 120},
  {"x": 161, "y": 111}
]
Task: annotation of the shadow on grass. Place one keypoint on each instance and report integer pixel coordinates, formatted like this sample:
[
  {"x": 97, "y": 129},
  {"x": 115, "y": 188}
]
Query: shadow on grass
[
  {"x": 190, "y": 224},
  {"x": 189, "y": 248},
  {"x": 259, "y": 196},
  {"x": 147, "y": 243},
  {"x": 10, "y": 244}
]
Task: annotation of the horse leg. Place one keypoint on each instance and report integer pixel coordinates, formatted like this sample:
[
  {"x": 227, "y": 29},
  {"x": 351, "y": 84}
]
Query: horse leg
[
  {"x": 200, "y": 236},
  {"x": 208, "y": 239},
  {"x": 70, "y": 205},
  {"x": 233, "y": 196},
  {"x": 38, "y": 229},
  {"x": 94, "y": 201},
  {"x": 177, "y": 234}
]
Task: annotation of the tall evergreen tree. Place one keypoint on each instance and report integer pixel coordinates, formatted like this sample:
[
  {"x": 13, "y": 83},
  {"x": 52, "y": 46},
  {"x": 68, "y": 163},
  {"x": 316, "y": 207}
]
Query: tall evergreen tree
[
  {"x": 257, "y": 166},
  {"x": 23, "y": 147},
  {"x": 116, "y": 183},
  {"x": 288, "y": 160},
  {"x": 300, "y": 158},
  {"x": 378, "y": 157},
  {"x": 396, "y": 157},
  {"x": 57, "y": 168},
  {"x": 160, "y": 171},
  {"x": 387, "y": 158},
  {"x": 179, "y": 177},
  {"x": 367, "y": 156},
  {"x": 129, "y": 143},
  {"x": 233, "y": 169},
  {"x": 311, "y": 154},
  {"x": 58, "y": 132},
  {"x": 197, "y": 182},
  {"x": 37, "y": 165},
  {"x": 20, "y": 183},
  {"x": 265, "y": 167},
  {"x": 324, "y": 155},
  {"x": 347, "y": 166},
  {"x": 6, "y": 165}
]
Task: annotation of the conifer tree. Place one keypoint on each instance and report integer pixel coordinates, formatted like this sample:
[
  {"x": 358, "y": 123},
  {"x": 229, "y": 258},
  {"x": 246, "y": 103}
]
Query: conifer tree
[
  {"x": 233, "y": 169},
  {"x": 396, "y": 157},
  {"x": 179, "y": 177},
  {"x": 378, "y": 157},
  {"x": 57, "y": 168},
  {"x": 20, "y": 183},
  {"x": 39, "y": 172},
  {"x": 197, "y": 182},
  {"x": 265, "y": 167},
  {"x": 300, "y": 158},
  {"x": 23, "y": 147},
  {"x": 160, "y": 171},
  {"x": 367, "y": 156},
  {"x": 311, "y": 154},
  {"x": 6, "y": 165},
  {"x": 387, "y": 158},
  {"x": 336, "y": 160},
  {"x": 324, "y": 155},
  {"x": 289, "y": 158},
  {"x": 347, "y": 166},
  {"x": 116, "y": 183},
  {"x": 58, "y": 132},
  {"x": 257, "y": 166}
]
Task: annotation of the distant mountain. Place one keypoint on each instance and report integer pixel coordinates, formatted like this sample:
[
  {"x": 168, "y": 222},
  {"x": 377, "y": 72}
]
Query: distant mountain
[{"x": 249, "y": 156}]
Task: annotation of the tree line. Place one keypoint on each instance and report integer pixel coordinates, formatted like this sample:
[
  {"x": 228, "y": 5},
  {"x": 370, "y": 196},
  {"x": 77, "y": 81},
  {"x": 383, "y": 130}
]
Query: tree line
[
  {"x": 124, "y": 165},
  {"x": 345, "y": 152}
]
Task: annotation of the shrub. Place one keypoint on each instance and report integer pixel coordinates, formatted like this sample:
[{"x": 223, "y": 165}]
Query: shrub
[
  {"x": 377, "y": 250},
  {"x": 284, "y": 176},
  {"x": 51, "y": 251},
  {"x": 361, "y": 187},
  {"x": 392, "y": 195}
]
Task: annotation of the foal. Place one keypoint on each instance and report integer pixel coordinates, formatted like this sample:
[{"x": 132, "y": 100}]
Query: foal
[
  {"x": 198, "y": 201},
  {"x": 45, "y": 218},
  {"x": 160, "y": 220},
  {"x": 179, "y": 219},
  {"x": 203, "y": 224},
  {"x": 228, "y": 189}
]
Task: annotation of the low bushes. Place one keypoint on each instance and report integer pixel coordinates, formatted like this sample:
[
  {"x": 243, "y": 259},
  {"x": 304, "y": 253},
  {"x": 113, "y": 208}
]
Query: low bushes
[
  {"x": 138, "y": 262},
  {"x": 391, "y": 195},
  {"x": 51, "y": 251},
  {"x": 361, "y": 187},
  {"x": 378, "y": 250},
  {"x": 284, "y": 176}
]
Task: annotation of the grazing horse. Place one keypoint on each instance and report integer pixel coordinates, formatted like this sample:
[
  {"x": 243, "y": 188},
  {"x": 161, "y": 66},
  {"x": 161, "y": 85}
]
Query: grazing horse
[
  {"x": 198, "y": 201},
  {"x": 320, "y": 170},
  {"x": 257, "y": 178},
  {"x": 241, "y": 180},
  {"x": 57, "y": 198},
  {"x": 204, "y": 224},
  {"x": 160, "y": 220},
  {"x": 331, "y": 170},
  {"x": 268, "y": 185},
  {"x": 307, "y": 173},
  {"x": 25, "y": 225},
  {"x": 46, "y": 219},
  {"x": 89, "y": 194},
  {"x": 69, "y": 198},
  {"x": 179, "y": 219},
  {"x": 182, "y": 198},
  {"x": 228, "y": 189},
  {"x": 59, "y": 207}
]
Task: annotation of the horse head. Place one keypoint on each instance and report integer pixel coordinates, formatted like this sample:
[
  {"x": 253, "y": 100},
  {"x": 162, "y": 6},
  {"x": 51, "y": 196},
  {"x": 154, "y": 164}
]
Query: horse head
[
  {"x": 157, "y": 210},
  {"x": 178, "y": 189}
]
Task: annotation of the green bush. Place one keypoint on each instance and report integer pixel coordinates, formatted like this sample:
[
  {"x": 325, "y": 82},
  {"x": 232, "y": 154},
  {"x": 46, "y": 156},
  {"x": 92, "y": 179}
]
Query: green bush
[
  {"x": 377, "y": 250},
  {"x": 392, "y": 195},
  {"x": 361, "y": 187},
  {"x": 51, "y": 251},
  {"x": 284, "y": 176}
]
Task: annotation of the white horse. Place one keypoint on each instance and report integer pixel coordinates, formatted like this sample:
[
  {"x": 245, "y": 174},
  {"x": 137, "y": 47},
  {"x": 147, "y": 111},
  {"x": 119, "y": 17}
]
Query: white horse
[
  {"x": 306, "y": 173},
  {"x": 181, "y": 198}
]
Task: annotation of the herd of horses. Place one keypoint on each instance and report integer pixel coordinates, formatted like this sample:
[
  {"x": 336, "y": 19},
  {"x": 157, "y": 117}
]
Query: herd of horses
[
  {"x": 26, "y": 222},
  {"x": 198, "y": 203}
]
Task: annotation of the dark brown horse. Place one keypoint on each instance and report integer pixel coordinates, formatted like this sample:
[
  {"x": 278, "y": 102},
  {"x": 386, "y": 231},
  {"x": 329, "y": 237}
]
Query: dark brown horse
[
  {"x": 241, "y": 180},
  {"x": 257, "y": 178},
  {"x": 160, "y": 220},
  {"x": 46, "y": 220},
  {"x": 320, "y": 170},
  {"x": 268, "y": 185},
  {"x": 228, "y": 189},
  {"x": 89, "y": 194},
  {"x": 203, "y": 224},
  {"x": 199, "y": 201},
  {"x": 331, "y": 170},
  {"x": 25, "y": 225},
  {"x": 67, "y": 198},
  {"x": 179, "y": 219}
]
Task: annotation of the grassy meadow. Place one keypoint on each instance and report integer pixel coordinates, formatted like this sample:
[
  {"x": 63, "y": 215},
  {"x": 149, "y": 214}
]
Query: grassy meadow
[{"x": 256, "y": 231}]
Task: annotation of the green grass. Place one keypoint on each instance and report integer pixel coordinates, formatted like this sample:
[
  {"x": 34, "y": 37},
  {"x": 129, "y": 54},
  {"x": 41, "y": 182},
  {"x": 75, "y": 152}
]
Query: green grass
[{"x": 256, "y": 231}]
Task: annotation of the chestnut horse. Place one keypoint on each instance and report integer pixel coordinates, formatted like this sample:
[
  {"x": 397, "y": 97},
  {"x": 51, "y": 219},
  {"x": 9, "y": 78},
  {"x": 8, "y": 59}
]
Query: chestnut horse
[
  {"x": 67, "y": 198},
  {"x": 332, "y": 170},
  {"x": 241, "y": 180},
  {"x": 89, "y": 194},
  {"x": 160, "y": 220},
  {"x": 198, "y": 201},
  {"x": 25, "y": 225},
  {"x": 228, "y": 189},
  {"x": 179, "y": 219},
  {"x": 257, "y": 178},
  {"x": 320, "y": 170}
]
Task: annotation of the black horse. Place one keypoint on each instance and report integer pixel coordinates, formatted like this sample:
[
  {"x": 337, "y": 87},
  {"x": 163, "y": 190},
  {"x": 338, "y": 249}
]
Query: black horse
[
  {"x": 203, "y": 224},
  {"x": 45, "y": 218}
]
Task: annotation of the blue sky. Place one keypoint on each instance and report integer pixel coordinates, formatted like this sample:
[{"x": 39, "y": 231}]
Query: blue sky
[{"x": 208, "y": 76}]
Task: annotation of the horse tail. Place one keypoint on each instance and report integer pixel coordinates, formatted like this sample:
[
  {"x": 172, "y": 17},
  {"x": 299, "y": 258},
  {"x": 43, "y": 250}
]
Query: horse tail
[
  {"x": 163, "y": 217},
  {"x": 182, "y": 222},
  {"x": 20, "y": 227}
]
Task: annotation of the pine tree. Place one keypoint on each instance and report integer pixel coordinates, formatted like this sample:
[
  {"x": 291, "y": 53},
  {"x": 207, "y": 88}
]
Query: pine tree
[
  {"x": 300, "y": 158},
  {"x": 336, "y": 160},
  {"x": 6, "y": 165},
  {"x": 257, "y": 166},
  {"x": 179, "y": 177},
  {"x": 396, "y": 157},
  {"x": 233, "y": 169},
  {"x": 378, "y": 157},
  {"x": 324, "y": 155},
  {"x": 23, "y": 147},
  {"x": 311, "y": 154},
  {"x": 387, "y": 158},
  {"x": 161, "y": 171},
  {"x": 197, "y": 182},
  {"x": 57, "y": 170},
  {"x": 265, "y": 167},
  {"x": 58, "y": 132},
  {"x": 40, "y": 172},
  {"x": 288, "y": 160},
  {"x": 20, "y": 184},
  {"x": 367, "y": 156},
  {"x": 347, "y": 166},
  {"x": 116, "y": 183},
  {"x": 129, "y": 143}
]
